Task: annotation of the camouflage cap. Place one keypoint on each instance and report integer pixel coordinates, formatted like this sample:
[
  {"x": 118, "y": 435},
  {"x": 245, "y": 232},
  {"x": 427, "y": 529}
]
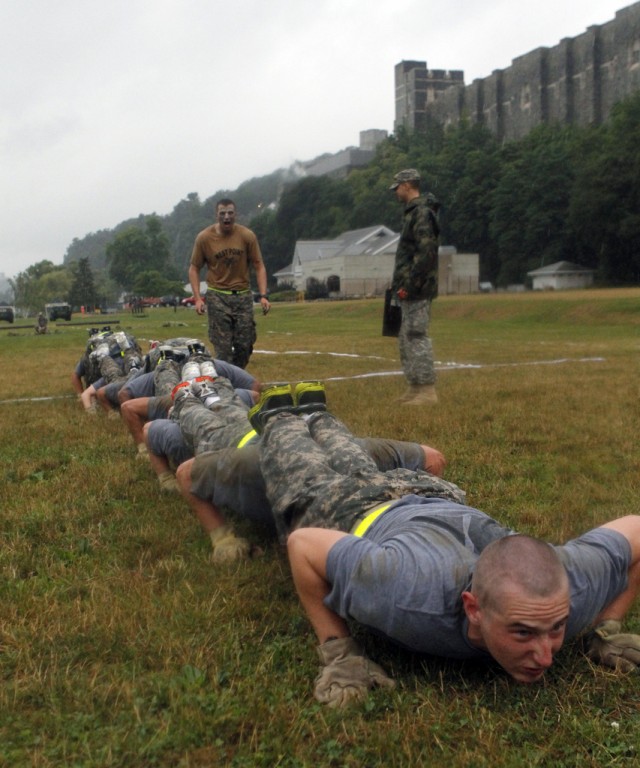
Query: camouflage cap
[{"x": 409, "y": 174}]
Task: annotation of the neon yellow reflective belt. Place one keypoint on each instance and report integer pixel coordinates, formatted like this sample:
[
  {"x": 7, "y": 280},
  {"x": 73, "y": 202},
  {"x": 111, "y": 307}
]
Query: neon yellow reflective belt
[
  {"x": 229, "y": 293},
  {"x": 249, "y": 436},
  {"x": 363, "y": 526}
]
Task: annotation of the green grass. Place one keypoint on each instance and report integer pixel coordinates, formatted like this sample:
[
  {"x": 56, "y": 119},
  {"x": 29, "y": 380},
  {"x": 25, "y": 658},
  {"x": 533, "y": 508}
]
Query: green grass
[{"x": 120, "y": 643}]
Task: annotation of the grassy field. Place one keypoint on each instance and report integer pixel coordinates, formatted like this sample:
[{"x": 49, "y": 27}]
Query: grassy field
[{"x": 121, "y": 644}]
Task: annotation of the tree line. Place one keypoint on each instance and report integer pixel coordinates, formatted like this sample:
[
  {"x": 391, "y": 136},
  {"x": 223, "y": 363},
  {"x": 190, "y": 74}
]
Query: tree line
[{"x": 561, "y": 193}]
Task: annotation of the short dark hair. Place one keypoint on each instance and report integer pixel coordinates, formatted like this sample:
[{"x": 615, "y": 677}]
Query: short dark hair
[
  {"x": 225, "y": 201},
  {"x": 529, "y": 564}
]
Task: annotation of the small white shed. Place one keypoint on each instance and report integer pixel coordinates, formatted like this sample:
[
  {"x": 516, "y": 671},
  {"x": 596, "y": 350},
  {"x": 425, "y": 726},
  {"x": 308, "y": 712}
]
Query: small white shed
[{"x": 560, "y": 276}]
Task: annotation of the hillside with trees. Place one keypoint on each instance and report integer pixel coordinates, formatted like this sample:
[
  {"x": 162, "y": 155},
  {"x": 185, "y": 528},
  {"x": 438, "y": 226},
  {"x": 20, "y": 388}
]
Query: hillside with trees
[{"x": 560, "y": 193}]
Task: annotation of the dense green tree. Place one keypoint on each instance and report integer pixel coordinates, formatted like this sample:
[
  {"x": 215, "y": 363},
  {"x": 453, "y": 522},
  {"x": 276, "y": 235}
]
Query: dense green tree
[
  {"x": 312, "y": 208},
  {"x": 40, "y": 284},
  {"x": 419, "y": 144},
  {"x": 531, "y": 201},
  {"x": 465, "y": 174},
  {"x": 135, "y": 251},
  {"x": 188, "y": 218},
  {"x": 127, "y": 256},
  {"x": 92, "y": 246},
  {"x": 373, "y": 201},
  {"x": 159, "y": 254},
  {"x": 107, "y": 289},
  {"x": 83, "y": 290},
  {"x": 605, "y": 205},
  {"x": 274, "y": 245},
  {"x": 154, "y": 283}
]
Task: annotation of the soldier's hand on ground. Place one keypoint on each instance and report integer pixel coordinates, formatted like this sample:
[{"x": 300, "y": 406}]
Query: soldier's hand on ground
[
  {"x": 168, "y": 482},
  {"x": 606, "y": 645},
  {"x": 347, "y": 674},
  {"x": 227, "y": 547}
]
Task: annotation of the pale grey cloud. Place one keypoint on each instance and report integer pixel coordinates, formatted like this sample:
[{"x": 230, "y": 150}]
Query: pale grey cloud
[{"x": 114, "y": 109}]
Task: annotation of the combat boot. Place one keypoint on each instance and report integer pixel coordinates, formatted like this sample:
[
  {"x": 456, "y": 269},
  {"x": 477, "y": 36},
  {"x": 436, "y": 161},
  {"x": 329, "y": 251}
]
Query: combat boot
[{"x": 420, "y": 394}]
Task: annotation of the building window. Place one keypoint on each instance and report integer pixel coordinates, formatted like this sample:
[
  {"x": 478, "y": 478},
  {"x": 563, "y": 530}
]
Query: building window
[
  {"x": 525, "y": 97},
  {"x": 634, "y": 55},
  {"x": 333, "y": 284}
]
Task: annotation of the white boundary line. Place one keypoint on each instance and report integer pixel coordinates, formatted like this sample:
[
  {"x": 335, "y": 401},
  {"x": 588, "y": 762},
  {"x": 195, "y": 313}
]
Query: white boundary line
[{"x": 438, "y": 367}]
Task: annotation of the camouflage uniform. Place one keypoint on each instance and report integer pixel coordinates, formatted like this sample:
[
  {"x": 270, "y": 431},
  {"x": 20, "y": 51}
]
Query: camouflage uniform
[
  {"x": 317, "y": 475},
  {"x": 124, "y": 351},
  {"x": 416, "y": 271},
  {"x": 232, "y": 327},
  {"x": 166, "y": 375},
  {"x": 227, "y": 429},
  {"x": 119, "y": 372},
  {"x": 155, "y": 354}
]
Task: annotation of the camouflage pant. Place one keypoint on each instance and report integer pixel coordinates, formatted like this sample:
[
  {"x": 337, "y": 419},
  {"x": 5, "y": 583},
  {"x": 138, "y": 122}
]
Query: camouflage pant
[
  {"x": 232, "y": 328},
  {"x": 414, "y": 343},
  {"x": 165, "y": 377},
  {"x": 317, "y": 475},
  {"x": 112, "y": 372},
  {"x": 220, "y": 425}
]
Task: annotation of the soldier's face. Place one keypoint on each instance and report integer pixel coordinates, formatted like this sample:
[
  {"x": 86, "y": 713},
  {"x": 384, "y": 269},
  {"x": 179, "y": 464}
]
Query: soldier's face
[
  {"x": 525, "y": 633},
  {"x": 226, "y": 217},
  {"x": 402, "y": 191}
]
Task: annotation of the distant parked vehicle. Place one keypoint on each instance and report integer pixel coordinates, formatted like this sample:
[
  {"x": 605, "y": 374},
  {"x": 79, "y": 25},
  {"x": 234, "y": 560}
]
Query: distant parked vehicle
[
  {"x": 58, "y": 310},
  {"x": 7, "y": 313},
  {"x": 188, "y": 302},
  {"x": 150, "y": 301},
  {"x": 169, "y": 301}
]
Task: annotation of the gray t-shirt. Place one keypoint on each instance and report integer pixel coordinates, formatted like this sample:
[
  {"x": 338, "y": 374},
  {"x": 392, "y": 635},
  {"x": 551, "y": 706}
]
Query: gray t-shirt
[
  {"x": 405, "y": 578},
  {"x": 141, "y": 386},
  {"x": 232, "y": 478}
]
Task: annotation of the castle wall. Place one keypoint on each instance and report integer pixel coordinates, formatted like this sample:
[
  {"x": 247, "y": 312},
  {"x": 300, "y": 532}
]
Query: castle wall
[{"x": 577, "y": 82}]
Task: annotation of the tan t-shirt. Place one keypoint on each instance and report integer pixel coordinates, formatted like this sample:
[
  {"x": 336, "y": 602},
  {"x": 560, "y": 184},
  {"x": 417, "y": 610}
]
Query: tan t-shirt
[{"x": 227, "y": 257}]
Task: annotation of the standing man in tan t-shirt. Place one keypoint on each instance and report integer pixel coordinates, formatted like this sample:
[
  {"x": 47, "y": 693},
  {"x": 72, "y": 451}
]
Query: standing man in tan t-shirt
[{"x": 229, "y": 250}]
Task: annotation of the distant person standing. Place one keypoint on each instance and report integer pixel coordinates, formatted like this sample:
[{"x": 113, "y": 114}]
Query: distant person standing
[
  {"x": 229, "y": 250},
  {"x": 415, "y": 282}
]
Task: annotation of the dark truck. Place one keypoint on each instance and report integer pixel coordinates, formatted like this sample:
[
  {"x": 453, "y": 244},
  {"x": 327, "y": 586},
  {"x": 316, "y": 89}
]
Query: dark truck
[
  {"x": 7, "y": 313},
  {"x": 58, "y": 311}
]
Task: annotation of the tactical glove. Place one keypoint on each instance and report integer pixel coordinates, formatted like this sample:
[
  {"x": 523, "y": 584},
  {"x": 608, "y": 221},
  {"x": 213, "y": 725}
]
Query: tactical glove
[
  {"x": 142, "y": 452},
  {"x": 228, "y": 547},
  {"x": 606, "y": 645},
  {"x": 168, "y": 482},
  {"x": 347, "y": 674}
]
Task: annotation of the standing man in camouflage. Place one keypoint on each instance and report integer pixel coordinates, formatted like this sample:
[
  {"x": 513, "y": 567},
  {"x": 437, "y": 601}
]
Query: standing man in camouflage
[
  {"x": 229, "y": 250},
  {"x": 415, "y": 282}
]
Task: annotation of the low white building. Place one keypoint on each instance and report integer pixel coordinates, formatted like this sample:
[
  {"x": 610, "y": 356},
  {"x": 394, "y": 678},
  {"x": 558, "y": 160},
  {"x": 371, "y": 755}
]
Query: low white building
[
  {"x": 561, "y": 276},
  {"x": 360, "y": 263}
]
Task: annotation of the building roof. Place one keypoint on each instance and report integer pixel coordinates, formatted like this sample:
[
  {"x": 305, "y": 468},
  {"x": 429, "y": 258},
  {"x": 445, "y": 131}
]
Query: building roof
[
  {"x": 355, "y": 242},
  {"x": 560, "y": 268}
]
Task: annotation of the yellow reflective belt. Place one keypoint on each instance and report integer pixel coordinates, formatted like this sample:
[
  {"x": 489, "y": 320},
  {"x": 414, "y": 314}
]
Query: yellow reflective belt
[
  {"x": 246, "y": 438},
  {"x": 229, "y": 293},
  {"x": 363, "y": 526}
]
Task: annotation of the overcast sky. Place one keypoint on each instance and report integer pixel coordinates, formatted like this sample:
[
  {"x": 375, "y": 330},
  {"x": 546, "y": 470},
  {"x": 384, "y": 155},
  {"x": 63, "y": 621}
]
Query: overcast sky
[{"x": 114, "y": 108}]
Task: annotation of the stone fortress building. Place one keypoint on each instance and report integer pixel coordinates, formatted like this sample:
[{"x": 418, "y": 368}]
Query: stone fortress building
[{"x": 577, "y": 82}]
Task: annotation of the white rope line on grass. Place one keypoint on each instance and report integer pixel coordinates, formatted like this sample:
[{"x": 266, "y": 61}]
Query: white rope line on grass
[
  {"x": 438, "y": 366},
  {"x": 308, "y": 352},
  {"x": 467, "y": 366}
]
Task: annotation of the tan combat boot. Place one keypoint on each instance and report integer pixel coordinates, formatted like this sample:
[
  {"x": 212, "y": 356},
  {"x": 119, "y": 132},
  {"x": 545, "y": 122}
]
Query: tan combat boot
[{"x": 420, "y": 394}]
